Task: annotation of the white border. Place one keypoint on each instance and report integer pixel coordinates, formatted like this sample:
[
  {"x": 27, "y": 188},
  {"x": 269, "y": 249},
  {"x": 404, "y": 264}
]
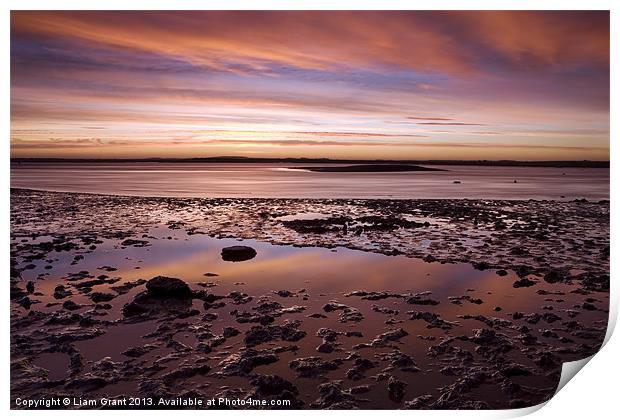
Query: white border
[{"x": 592, "y": 395}]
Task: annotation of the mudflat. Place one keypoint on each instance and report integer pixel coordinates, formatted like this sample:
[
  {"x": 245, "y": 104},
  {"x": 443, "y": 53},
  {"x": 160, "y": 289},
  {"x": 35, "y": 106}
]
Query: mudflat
[{"x": 331, "y": 303}]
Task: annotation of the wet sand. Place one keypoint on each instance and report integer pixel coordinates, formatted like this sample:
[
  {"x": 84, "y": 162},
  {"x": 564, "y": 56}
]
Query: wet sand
[{"x": 347, "y": 303}]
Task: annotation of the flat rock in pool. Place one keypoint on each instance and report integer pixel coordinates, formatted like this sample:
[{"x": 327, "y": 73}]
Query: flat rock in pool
[
  {"x": 238, "y": 253},
  {"x": 168, "y": 287}
]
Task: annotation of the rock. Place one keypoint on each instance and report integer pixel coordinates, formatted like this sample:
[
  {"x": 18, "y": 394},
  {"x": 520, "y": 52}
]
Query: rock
[
  {"x": 60, "y": 292},
  {"x": 516, "y": 370},
  {"x": 101, "y": 297},
  {"x": 185, "y": 372},
  {"x": 351, "y": 315},
  {"x": 272, "y": 385},
  {"x": 25, "y": 302},
  {"x": 396, "y": 389},
  {"x": 523, "y": 283},
  {"x": 384, "y": 339},
  {"x": 127, "y": 286},
  {"x": 360, "y": 389},
  {"x": 334, "y": 306},
  {"x": 483, "y": 336},
  {"x": 168, "y": 288},
  {"x": 481, "y": 265},
  {"x": 418, "y": 300},
  {"x": 238, "y": 253},
  {"x": 550, "y": 317},
  {"x": 334, "y": 398},
  {"x": 17, "y": 292},
  {"x": 328, "y": 335},
  {"x": 553, "y": 277},
  {"x": 134, "y": 309},
  {"x": 325, "y": 348},
  {"x": 589, "y": 306},
  {"x": 135, "y": 242},
  {"x": 245, "y": 361},
  {"x": 361, "y": 365},
  {"x": 433, "y": 320},
  {"x": 420, "y": 402},
  {"x": 275, "y": 387},
  {"x": 313, "y": 367},
  {"x": 288, "y": 331},
  {"x": 399, "y": 360},
  {"x": 139, "y": 350},
  {"x": 70, "y": 305},
  {"x": 230, "y": 332}
]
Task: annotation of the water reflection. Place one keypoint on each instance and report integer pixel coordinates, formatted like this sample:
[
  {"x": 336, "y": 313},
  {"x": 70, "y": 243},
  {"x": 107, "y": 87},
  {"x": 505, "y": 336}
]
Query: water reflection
[{"x": 269, "y": 180}]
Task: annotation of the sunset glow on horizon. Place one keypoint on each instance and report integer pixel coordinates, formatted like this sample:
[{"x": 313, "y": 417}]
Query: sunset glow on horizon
[{"x": 360, "y": 85}]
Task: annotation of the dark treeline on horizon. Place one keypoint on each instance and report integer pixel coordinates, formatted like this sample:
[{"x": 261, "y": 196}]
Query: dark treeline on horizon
[{"x": 241, "y": 159}]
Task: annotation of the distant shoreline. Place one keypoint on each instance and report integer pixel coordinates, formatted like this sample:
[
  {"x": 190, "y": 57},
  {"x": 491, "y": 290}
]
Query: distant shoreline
[{"x": 236, "y": 159}]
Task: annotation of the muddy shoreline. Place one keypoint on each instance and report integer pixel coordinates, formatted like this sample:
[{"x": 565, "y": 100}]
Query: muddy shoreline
[{"x": 472, "y": 348}]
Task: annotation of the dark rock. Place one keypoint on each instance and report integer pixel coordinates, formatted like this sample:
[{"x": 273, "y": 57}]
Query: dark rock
[
  {"x": 334, "y": 397},
  {"x": 138, "y": 351},
  {"x": 135, "y": 242},
  {"x": 525, "y": 282},
  {"x": 245, "y": 361},
  {"x": 360, "y": 389},
  {"x": 230, "y": 332},
  {"x": 288, "y": 331},
  {"x": 238, "y": 253},
  {"x": 70, "y": 305},
  {"x": 325, "y": 348},
  {"x": 396, "y": 389},
  {"x": 516, "y": 370},
  {"x": 275, "y": 387},
  {"x": 134, "y": 309},
  {"x": 101, "y": 297},
  {"x": 168, "y": 287},
  {"x": 313, "y": 367},
  {"x": 334, "y": 306},
  {"x": 433, "y": 320},
  {"x": 419, "y": 300},
  {"x": 553, "y": 277}
]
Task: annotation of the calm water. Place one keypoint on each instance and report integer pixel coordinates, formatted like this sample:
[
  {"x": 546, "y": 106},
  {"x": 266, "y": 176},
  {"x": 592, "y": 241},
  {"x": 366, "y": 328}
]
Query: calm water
[{"x": 276, "y": 180}]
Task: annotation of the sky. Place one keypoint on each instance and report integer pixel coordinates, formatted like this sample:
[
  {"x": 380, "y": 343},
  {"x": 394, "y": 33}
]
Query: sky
[{"x": 362, "y": 85}]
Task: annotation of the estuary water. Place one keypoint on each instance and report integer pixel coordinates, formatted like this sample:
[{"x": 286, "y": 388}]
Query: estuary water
[{"x": 282, "y": 181}]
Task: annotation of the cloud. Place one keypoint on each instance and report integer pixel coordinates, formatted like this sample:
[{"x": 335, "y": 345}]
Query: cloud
[
  {"x": 447, "y": 123},
  {"x": 430, "y": 118},
  {"x": 312, "y": 80},
  {"x": 240, "y": 42},
  {"x": 19, "y": 144}
]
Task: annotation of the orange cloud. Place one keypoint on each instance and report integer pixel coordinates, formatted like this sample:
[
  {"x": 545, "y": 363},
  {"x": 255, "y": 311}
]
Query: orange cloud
[{"x": 249, "y": 41}]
